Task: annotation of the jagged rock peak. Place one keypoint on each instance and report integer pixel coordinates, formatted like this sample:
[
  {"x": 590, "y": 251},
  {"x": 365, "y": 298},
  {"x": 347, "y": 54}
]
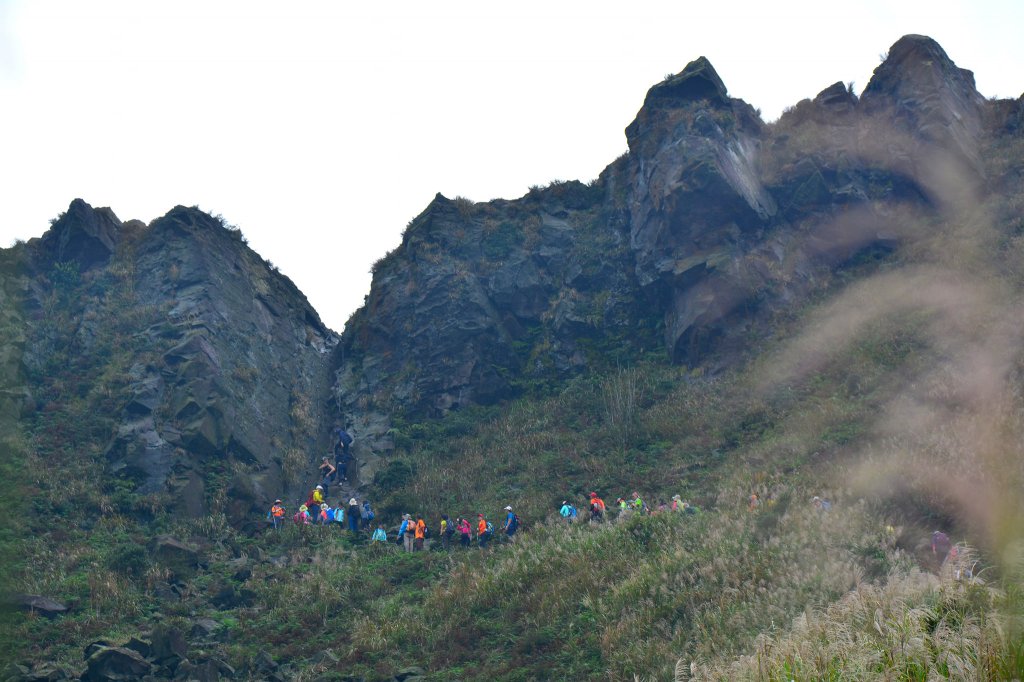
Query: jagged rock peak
[
  {"x": 916, "y": 65},
  {"x": 82, "y": 233},
  {"x": 836, "y": 97},
  {"x": 698, "y": 81}
]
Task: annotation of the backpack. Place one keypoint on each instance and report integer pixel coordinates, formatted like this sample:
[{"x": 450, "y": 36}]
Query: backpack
[
  {"x": 490, "y": 527},
  {"x": 515, "y": 522},
  {"x": 426, "y": 532}
]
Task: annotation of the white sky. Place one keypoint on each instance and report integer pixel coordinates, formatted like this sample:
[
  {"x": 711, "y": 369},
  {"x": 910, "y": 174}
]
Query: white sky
[{"x": 322, "y": 128}]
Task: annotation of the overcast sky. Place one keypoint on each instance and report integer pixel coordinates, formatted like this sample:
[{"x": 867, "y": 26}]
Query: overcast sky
[{"x": 322, "y": 128}]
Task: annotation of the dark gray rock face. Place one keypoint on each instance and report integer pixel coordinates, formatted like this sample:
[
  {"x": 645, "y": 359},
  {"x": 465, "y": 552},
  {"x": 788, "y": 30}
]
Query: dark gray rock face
[
  {"x": 712, "y": 223},
  {"x": 84, "y": 235},
  {"x": 233, "y": 370},
  {"x": 696, "y": 197},
  {"x": 921, "y": 90},
  {"x": 478, "y": 299}
]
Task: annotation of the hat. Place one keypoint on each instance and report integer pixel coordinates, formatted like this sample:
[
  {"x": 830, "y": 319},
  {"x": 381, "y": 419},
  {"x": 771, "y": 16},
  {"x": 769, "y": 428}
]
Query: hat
[
  {"x": 508, "y": 508},
  {"x": 406, "y": 516},
  {"x": 593, "y": 494},
  {"x": 565, "y": 501},
  {"x": 352, "y": 501},
  {"x": 319, "y": 487},
  {"x": 277, "y": 501},
  {"x": 303, "y": 508},
  {"x": 675, "y": 497},
  {"x": 481, "y": 516}
]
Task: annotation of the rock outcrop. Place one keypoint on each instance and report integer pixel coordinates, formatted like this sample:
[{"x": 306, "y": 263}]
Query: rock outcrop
[
  {"x": 218, "y": 366},
  {"x": 713, "y": 223}
]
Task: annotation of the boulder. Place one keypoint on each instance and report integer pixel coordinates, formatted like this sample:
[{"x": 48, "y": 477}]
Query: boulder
[
  {"x": 323, "y": 658},
  {"x": 168, "y": 645},
  {"x": 407, "y": 674},
  {"x": 115, "y": 663},
  {"x": 264, "y": 663},
  {"x": 142, "y": 646},
  {"x": 47, "y": 672},
  {"x": 181, "y": 559},
  {"x": 203, "y": 628},
  {"x": 92, "y": 648},
  {"x": 38, "y": 604}
]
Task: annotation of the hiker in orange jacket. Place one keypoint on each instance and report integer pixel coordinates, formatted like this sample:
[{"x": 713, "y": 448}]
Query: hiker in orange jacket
[
  {"x": 421, "y": 533},
  {"x": 597, "y": 508}
]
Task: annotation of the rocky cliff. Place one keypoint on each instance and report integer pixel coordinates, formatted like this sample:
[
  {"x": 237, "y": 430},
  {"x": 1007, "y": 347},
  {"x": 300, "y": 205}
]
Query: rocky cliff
[
  {"x": 713, "y": 224},
  {"x": 207, "y": 368}
]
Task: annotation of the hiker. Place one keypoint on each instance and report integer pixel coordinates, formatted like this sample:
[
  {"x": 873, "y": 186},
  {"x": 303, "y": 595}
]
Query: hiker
[
  {"x": 568, "y": 512},
  {"x": 326, "y": 514},
  {"x": 366, "y": 515},
  {"x": 662, "y": 507},
  {"x": 676, "y": 502},
  {"x": 353, "y": 515},
  {"x": 339, "y": 512},
  {"x": 622, "y": 504},
  {"x": 754, "y": 502},
  {"x": 276, "y": 514},
  {"x": 327, "y": 470},
  {"x": 342, "y": 455},
  {"x": 940, "y": 546},
  {"x": 447, "y": 531},
  {"x": 465, "y": 530},
  {"x": 379, "y": 535},
  {"x": 419, "y": 534},
  {"x": 638, "y": 504},
  {"x": 315, "y": 499},
  {"x": 511, "y": 524},
  {"x": 597, "y": 508},
  {"x": 483, "y": 531},
  {"x": 405, "y": 532},
  {"x": 301, "y": 517},
  {"x": 820, "y": 504}
]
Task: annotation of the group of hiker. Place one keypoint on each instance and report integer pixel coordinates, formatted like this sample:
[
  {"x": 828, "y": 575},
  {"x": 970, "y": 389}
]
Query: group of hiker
[
  {"x": 634, "y": 504},
  {"x": 414, "y": 531}
]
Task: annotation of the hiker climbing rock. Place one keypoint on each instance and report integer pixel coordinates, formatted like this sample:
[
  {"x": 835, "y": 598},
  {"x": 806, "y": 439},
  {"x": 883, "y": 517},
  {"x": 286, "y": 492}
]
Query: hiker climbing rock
[
  {"x": 315, "y": 499},
  {"x": 327, "y": 471},
  {"x": 342, "y": 453}
]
